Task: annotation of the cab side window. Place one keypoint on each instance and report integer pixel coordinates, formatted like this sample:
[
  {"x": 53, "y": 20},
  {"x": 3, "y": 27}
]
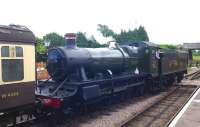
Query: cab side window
[{"x": 153, "y": 52}]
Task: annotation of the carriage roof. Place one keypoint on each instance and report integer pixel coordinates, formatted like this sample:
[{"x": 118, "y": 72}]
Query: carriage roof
[{"x": 16, "y": 34}]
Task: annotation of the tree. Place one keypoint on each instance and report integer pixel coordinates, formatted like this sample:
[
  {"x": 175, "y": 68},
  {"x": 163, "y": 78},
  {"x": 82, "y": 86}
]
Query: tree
[
  {"x": 40, "y": 50},
  {"x": 139, "y": 34},
  {"x": 106, "y": 31},
  {"x": 55, "y": 39},
  {"x": 40, "y": 47},
  {"x": 83, "y": 41},
  {"x": 168, "y": 46}
]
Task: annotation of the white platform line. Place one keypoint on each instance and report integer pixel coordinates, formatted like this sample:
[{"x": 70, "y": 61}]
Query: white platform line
[{"x": 173, "y": 123}]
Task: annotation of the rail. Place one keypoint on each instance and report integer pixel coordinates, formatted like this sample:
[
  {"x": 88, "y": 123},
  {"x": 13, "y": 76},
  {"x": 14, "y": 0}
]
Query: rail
[{"x": 131, "y": 119}]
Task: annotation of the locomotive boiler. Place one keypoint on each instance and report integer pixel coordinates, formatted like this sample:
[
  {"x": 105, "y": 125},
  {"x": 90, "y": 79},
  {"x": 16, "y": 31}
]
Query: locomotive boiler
[
  {"x": 89, "y": 63},
  {"x": 82, "y": 64}
]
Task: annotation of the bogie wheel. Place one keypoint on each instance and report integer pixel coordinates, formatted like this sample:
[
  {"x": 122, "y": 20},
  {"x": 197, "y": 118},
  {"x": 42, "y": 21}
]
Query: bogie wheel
[
  {"x": 179, "y": 78},
  {"x": 141, "y": 90},
  {"x": 175, "y": 80},
  {"x": 39, "y": 112},
  {"x": 8, "y": 121}
]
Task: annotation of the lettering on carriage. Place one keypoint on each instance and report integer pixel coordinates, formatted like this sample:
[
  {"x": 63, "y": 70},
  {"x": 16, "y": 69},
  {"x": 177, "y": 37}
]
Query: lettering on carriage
[{"x": 10, "y": 94}]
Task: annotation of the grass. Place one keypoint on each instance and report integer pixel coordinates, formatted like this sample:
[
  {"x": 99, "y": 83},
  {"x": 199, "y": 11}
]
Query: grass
[{"x": 196, "y": 58}]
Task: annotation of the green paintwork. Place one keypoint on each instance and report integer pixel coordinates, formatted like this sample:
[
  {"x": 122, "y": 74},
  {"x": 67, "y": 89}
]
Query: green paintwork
[
  {"x": 172, "y": 60},
  {"x": 147, "y": 62}
]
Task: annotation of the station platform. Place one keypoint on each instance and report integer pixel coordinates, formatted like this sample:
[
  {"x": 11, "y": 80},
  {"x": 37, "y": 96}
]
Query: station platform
[{"x": 189, "y": 116}]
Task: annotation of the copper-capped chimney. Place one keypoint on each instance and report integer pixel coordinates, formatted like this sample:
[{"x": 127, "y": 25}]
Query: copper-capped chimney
[{"x": 70, "y": 40}]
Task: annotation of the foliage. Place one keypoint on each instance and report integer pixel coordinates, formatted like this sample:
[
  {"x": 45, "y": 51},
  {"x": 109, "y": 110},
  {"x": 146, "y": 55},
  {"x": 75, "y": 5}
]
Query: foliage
[
  {"x": 41, "y": 57},
  {"x": 83, "y": 41},
  {"x": 195, "y": 58},
  {"x": 138, "y": 34},
  {"x": 40, "y": 47},
  {"x": 55, "y": 39},
  {"x": 40, "y": 50},
  {"x": 106, "y": 31},
  {"x": 196, "y": 53},
  {"x": 167, "y": 46}
]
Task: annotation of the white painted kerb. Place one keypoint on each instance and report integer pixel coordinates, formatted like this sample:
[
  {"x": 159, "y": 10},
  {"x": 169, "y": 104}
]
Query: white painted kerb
[{"x": 173, "y": 123}]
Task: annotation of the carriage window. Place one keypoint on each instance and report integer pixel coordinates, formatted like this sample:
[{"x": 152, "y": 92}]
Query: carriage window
[
  {"x": 153, "y": 51},
  {"x": 4, "y": 51},
  {"x": 19, "y": 52},
  {"x": 12, "y": 70}
]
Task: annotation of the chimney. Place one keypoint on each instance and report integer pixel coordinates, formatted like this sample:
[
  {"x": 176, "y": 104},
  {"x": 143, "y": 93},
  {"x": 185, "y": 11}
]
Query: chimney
[{"x": 70, "y": 40}]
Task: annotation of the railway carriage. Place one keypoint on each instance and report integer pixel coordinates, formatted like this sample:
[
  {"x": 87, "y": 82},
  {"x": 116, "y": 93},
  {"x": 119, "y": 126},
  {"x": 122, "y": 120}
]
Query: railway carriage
[{"x": 17, "y": 69}]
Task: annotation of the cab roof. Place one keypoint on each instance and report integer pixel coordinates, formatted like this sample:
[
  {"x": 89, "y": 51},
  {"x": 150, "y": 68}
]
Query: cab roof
[
  {"x": 141, "y": 44},
  {"x": 16, "y": 34}
]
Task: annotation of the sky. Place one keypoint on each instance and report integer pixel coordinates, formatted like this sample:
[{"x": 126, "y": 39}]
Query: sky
[{"x": 166, "y": 21}]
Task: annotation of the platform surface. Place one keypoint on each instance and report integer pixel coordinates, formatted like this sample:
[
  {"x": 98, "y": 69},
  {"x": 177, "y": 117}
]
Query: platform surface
[{"x": 190, "y": 114}]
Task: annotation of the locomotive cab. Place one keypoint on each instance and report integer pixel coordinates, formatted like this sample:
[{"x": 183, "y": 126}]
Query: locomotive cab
[{"x": 147, "y": 61}]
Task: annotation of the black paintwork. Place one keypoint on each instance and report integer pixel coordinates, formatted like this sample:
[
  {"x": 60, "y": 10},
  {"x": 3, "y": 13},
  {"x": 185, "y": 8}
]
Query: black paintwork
[
  {"x": 16, "y": 34},
  {"x": 81, "y": 75},
  {"x": 64, "y": 62},
  {"x": 72, "y": 93}
]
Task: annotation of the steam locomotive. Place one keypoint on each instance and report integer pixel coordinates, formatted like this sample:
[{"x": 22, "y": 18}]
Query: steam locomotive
[
  {"x": 79, "y": 75},
  {"x": 83, "y": 75}
]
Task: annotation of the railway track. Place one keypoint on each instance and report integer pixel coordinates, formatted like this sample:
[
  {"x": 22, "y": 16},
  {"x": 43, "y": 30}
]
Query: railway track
[
  {"x": 193, "y": 75},
  {"x": 163, "y": 111},
  {"x": 104, "y": 116},
  {"x": 144, "y": 111}
]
